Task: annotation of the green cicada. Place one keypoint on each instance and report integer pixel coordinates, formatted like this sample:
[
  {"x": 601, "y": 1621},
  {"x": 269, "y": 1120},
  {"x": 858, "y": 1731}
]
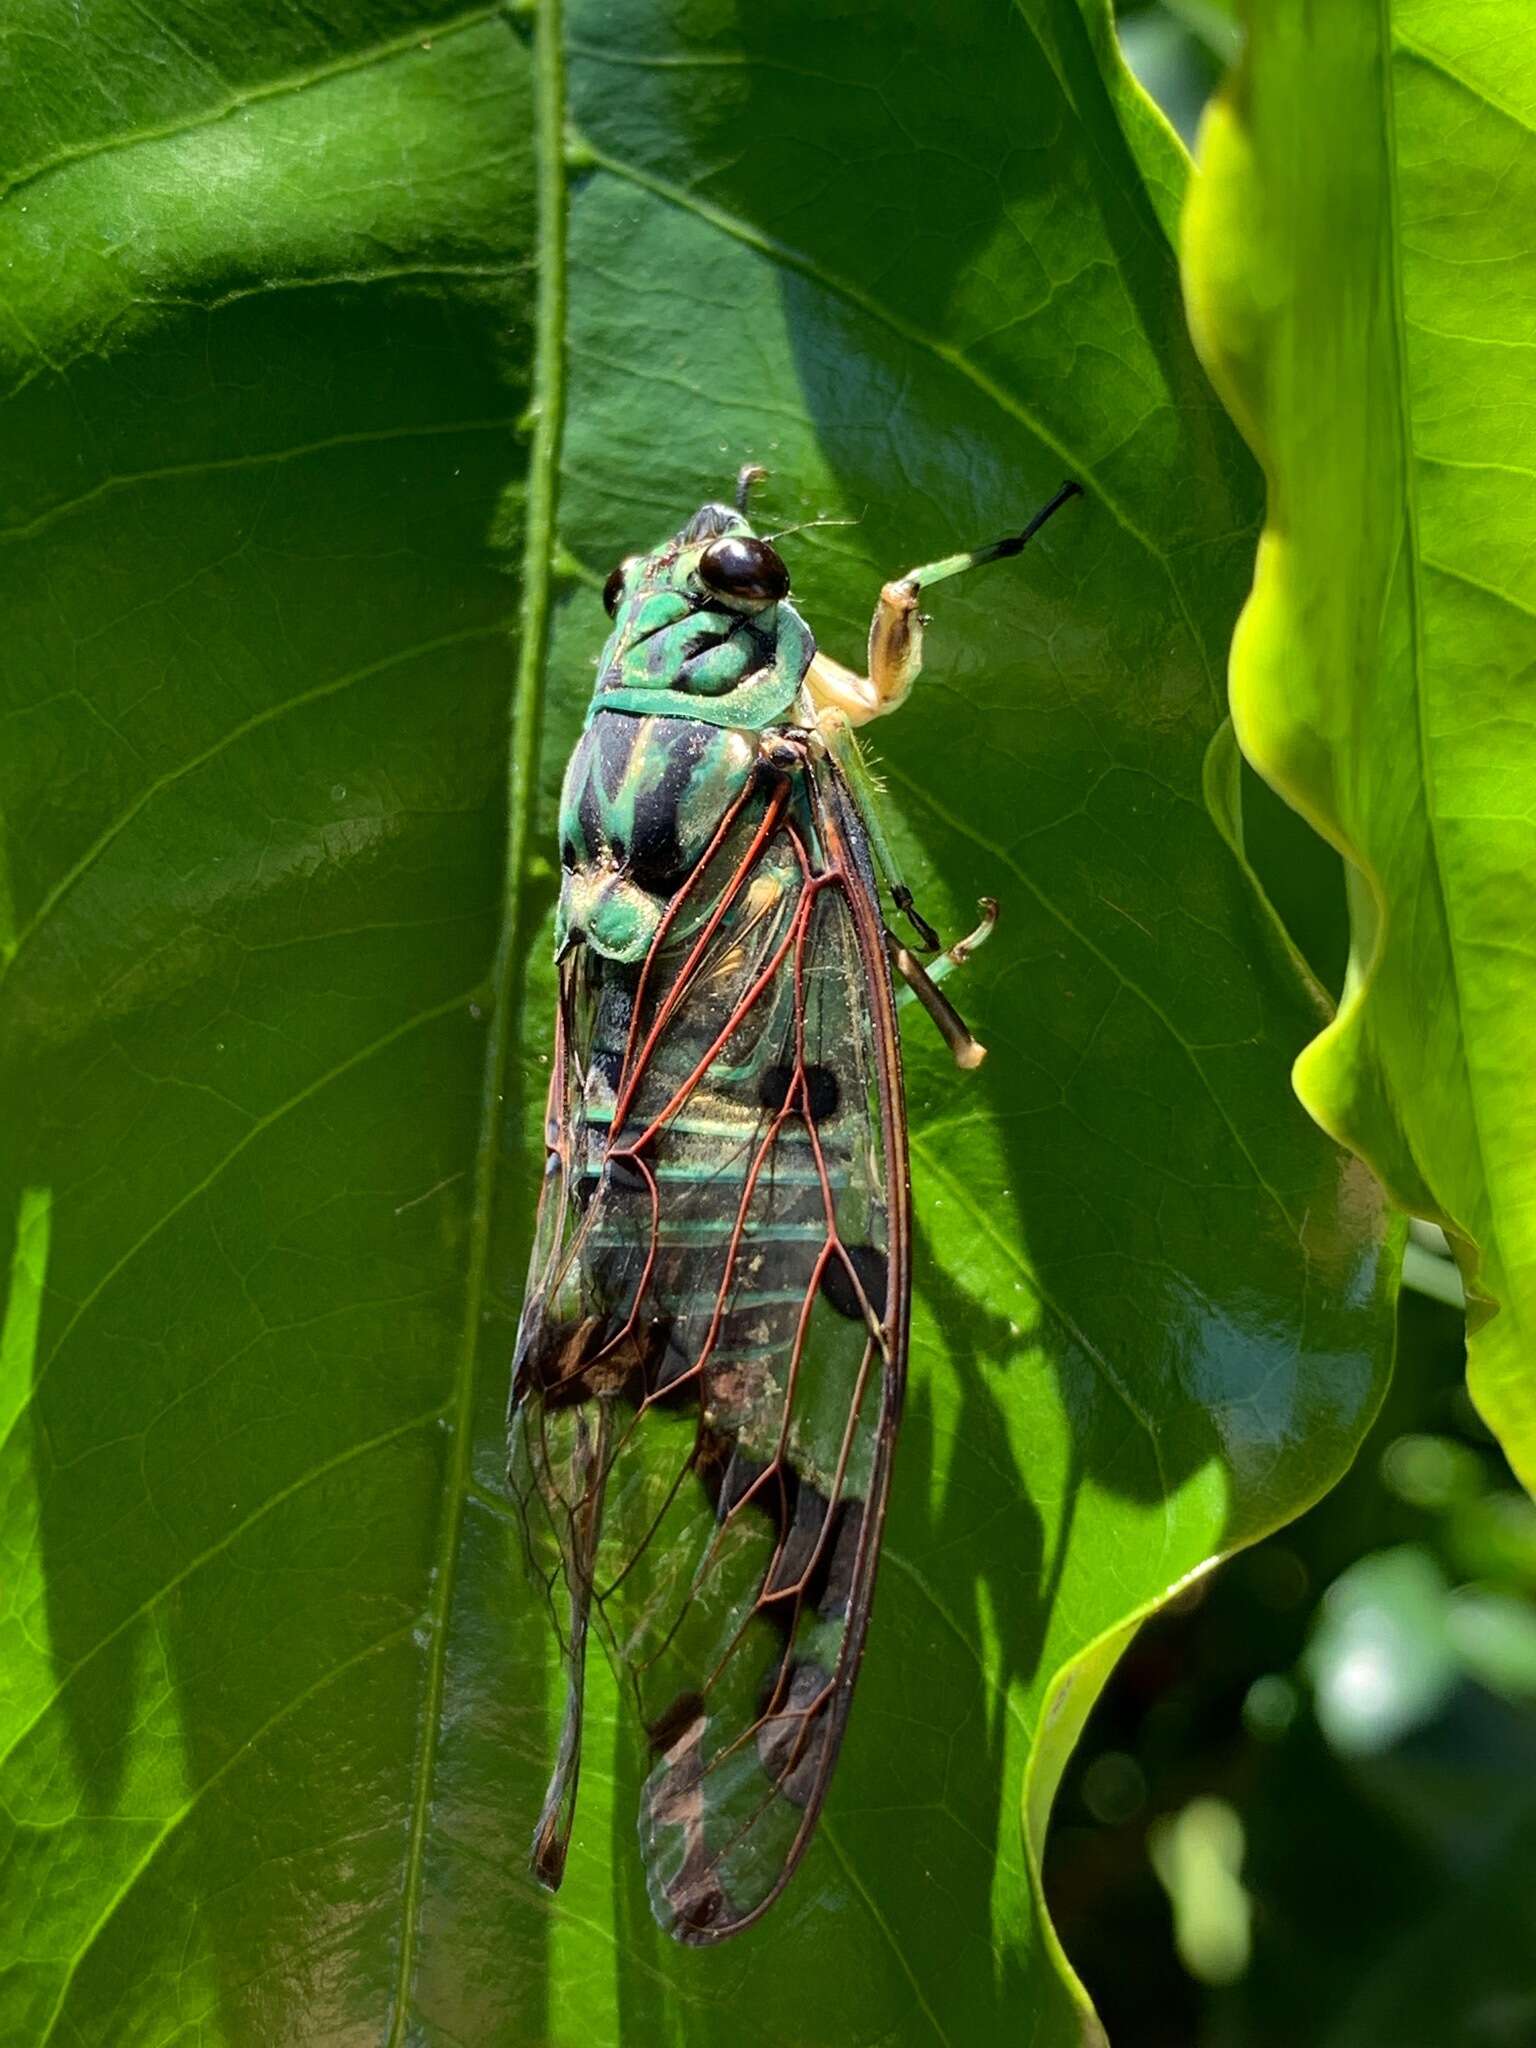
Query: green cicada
[{"x": 710, "y": 1363}]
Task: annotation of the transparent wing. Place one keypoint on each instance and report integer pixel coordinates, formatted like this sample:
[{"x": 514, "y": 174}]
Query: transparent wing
[{"x": 710, "y": 1364}]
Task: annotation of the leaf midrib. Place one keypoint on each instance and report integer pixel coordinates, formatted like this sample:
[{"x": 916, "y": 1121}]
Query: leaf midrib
[
  {"x": 526, "y": 720},
  {"x": 1414, "y": 566}
]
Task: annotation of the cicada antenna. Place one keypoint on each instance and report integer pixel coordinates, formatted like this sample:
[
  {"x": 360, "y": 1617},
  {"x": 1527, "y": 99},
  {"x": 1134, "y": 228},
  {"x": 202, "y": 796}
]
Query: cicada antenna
[
  {"x": 749, "y": 474},
  {"x": 805, "y": 525}
]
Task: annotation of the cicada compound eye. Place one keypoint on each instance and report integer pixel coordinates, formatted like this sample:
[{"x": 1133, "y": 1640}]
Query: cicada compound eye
[
  {"x": 613, "y": 590},
  {"x": 745, "y": 569}
]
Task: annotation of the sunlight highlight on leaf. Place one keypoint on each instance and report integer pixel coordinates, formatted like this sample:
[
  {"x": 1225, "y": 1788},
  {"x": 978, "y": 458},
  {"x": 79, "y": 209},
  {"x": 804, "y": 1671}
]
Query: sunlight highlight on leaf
[{"x": 1362, "y": 303}]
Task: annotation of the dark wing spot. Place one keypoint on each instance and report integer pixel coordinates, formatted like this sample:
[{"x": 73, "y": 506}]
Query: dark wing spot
[
  {"x": 773, "y": 1088},
  {"x": 699, "y": 1907},
  {"x": 800, "y": 1537},
  {"x": 555, "y": 1358},
  {"x": 727, "y": 1472},
  {"x": 674, "y": 1798},
  {"x": 792, "y": 1741},
  {"x": 597, "y": 1355},
  {"x": 837, "y": 1282},
  {"x": 671, "y": 1378},
  {"x": 822, "y": 1093},
  {"x": 625, "y": 1176},
  {"x": 831, "y": 1582},
  {"x": 665, "y": 1730}
]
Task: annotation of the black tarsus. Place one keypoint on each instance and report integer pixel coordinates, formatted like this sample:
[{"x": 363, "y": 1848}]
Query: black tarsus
[
  {"x": 1001, "y": 548},
  {"x": 901, "y": 896}
]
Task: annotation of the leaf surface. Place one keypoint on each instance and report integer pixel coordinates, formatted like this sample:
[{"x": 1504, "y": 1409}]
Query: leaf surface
[
  {"x": 1364, "y": 305},
  {"x": 277, "y": 1702}
]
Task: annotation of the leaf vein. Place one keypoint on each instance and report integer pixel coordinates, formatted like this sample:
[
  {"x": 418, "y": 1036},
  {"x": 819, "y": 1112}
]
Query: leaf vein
[
  {"x": 223, "y": 1542},
  {"x": 1441, "y": 65},
  {"x": 194, "y": 1799},
  {"x": 1154, "y": 1009},
  {"x": 261, "y": 458},
  {"x": 916, "y": 337},
  {"x": 258, "y": 1129},
  {"x": 276, "y": 89},
  {"x": 254, "y": 723}
]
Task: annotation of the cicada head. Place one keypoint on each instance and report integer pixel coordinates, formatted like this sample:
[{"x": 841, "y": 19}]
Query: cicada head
[{"x": 703, "y": 628}]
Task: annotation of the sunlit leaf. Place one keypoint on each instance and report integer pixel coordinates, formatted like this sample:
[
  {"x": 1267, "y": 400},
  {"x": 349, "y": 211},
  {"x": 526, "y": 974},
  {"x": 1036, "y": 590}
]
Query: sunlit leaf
[{"x": 1364, "y": 303}]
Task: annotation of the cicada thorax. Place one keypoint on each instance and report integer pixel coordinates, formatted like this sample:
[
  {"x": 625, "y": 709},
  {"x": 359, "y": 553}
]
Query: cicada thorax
[
  {"x": 722, "y": 1285},
  {"x": 643, "y": 798}
]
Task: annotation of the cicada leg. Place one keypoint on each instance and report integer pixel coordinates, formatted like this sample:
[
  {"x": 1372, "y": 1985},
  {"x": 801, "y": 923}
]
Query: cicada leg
[
  {"x": 841, "y": 699},
  {"x": 921, "y": 981},
  {"x": 896, "y": 631},
  {"x": 837, "y": 734},
  {"x": 922, "y": 986},
  {"x": 956, "y": 955}
]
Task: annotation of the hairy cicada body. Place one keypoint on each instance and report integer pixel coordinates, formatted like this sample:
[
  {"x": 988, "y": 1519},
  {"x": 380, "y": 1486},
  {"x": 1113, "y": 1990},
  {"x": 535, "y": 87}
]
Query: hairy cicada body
[{"x": 709, "y": 1367}]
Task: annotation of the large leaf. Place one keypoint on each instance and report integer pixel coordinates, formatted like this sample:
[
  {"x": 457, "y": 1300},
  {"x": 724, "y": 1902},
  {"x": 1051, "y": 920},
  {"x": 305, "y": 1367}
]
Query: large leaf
[
  {"x": 276, "y": 1695},
  {"x": 1365, "y": 305}
]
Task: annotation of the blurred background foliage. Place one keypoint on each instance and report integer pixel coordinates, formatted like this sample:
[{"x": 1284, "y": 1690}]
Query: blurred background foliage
[{"x": 1304, "y": 1809}]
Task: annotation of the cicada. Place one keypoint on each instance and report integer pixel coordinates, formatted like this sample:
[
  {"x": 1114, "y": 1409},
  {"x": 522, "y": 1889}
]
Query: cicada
[{"x": 710, "y": 1361}]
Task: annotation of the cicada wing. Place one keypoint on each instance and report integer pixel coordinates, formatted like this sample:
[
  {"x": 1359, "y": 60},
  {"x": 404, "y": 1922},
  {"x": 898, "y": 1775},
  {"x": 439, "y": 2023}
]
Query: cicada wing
[
  {"x": 733, "y": 1299},
  {"x": 557, "y": 1463}
]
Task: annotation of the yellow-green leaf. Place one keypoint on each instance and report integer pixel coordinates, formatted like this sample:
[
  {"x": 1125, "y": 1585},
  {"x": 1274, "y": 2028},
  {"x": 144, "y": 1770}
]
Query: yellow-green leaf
[{"x": 1360, "y": 272}]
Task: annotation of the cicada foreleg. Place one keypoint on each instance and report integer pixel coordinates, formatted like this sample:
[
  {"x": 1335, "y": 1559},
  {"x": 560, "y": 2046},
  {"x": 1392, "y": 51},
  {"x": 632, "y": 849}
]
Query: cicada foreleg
[
  {"x": 896, "y": 630},
  {"x": 841, "y": 699},
  {"x": 921, "y": 978},
  {"x": 956, "y": 955}
]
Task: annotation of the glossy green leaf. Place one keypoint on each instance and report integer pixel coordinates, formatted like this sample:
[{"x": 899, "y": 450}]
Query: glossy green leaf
[
  {"x": 1364, "y": 303},
  {"x": 276, "y": 1697}
]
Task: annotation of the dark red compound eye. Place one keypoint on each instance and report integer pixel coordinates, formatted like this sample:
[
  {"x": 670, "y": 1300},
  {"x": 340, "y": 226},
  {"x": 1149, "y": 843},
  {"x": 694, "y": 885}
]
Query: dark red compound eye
[{"x": 743, "y": 568}]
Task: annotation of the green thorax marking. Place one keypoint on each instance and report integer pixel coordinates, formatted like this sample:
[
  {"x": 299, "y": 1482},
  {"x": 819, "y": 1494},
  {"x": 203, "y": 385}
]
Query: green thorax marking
[
  {"x": 705, "y": 654},
  {"x": 682, "y": 648},
  {"x": 642, "y": 800}
]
